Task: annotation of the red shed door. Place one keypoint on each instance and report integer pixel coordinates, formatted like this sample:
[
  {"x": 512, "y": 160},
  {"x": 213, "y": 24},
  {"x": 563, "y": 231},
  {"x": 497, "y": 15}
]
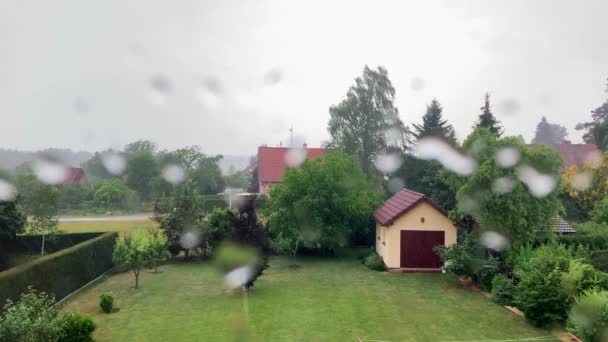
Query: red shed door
[{"x": 417, "y": 248}]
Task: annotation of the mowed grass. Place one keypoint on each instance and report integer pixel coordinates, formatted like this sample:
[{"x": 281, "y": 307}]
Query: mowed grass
[
  {"x": 106, "y": 226},
  {"x": 322, "y": 300}
]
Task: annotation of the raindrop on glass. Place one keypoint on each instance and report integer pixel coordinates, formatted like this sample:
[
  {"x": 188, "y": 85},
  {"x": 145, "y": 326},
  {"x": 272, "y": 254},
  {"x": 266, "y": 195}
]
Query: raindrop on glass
[
  {"x": 539, "y": 184},
  {"x": 7, "y": 191},
  {"x": 49, "y": 172},
  {"x": 582, "y": 181},
  {"x": 273, "y": 76},
  {"x": 80, "y": 105},
  {"x": 507, "y": 157},
  {"x": 173, "y": 174},
  {"x": 493, "y": 241},
  {"x": 508, "y": 106},
  {"x": 451, "y": 159},
  {"x": 114, "y": 163},
  {"x": 388, "y": 162},
  {"x": 160, "y": 84},
  {"x": 395, "y": 185},
  {"x": 296, "y": 156},
  {"x": 238, "y": 277},
  {"x": 189, "y": 240},
  {"x": 503, "y": 185}
]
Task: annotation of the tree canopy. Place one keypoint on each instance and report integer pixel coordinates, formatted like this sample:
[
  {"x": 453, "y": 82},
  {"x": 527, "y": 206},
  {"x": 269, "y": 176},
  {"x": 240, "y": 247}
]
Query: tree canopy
[
  {"x": 487, "y": 119},
  {"x": 548, "y": 133},
  {"x": 596, "y": 130},
  {"x": 433, "y": 125}
]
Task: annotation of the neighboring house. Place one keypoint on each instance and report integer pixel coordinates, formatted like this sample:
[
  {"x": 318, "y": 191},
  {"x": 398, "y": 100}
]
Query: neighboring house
[
  {"x": 75, "y": 175},
  {"x": 272, "y": 162},
  {"x": 575, "y": 154},
  {"x": 409, "y": 225}
]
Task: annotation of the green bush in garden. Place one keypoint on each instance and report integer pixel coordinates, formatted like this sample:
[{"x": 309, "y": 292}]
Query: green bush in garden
[
  {"x": 76, "y": 327},
  {"x": 599, "y": 260},
  {"x": 589, "y": 316},
  {"x": 502, "y": 289},
  {"x": 31, "y": 318},
  {"x": 106, "y": 302},
  {"x": 374, "y": 262}
]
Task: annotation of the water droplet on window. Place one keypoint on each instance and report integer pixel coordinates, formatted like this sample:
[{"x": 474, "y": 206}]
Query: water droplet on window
[
  {"x": 160, "y": 84},
  {"x": 395, "y": 185},
  {"x": 273, "y": 76},
  {"x": 493, "y": 241},
  {"x": 392, "y": 136},
  {"x": 417, "y": 84},
  {"x": 238, "y": 277},
  {"x": 189, "y": 240},
  {"x": 388, "y": 162},
  {"x": 503, "y": 185},
  {"x": 173, "y": 174},
  {"x": 451, "y": 159},
  {"x": 539, "y": 184},
  {"x": 213, "y": 85},
  {"x": 507, "y": 157},
  {"x": 7, "y": 191},
  {"x": 296, "y": 156},
  {"x": 114, "y": 162},
  {"x": 49, "y": 172},
  {"x": 508, "y": 106},
  {"x": 80, "y": 105},
  {"x": 582, "y": 181}
]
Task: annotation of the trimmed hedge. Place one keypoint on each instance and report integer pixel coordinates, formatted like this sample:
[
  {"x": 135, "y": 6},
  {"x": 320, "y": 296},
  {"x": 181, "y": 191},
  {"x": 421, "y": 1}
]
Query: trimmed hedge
[{"x": 60, "y": 273}]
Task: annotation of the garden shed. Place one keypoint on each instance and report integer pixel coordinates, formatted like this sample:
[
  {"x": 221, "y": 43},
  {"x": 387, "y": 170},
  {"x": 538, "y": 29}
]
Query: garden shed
[{"x": 408, "y": 226}]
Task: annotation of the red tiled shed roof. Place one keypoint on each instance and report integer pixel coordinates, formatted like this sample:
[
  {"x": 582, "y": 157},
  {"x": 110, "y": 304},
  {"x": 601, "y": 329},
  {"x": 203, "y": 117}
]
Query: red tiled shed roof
[
  {"x": 561, "y": 226},
  {"x": 272, "y": 161},
  {"x": 574, "y": 154},
  {"x": 399, "y": 204},
  {"x": 73, "y": 175}
]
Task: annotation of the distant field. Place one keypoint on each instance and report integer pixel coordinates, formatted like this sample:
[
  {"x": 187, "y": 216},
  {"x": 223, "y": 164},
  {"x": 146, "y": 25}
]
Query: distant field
[{"x": 106, "y": 226}]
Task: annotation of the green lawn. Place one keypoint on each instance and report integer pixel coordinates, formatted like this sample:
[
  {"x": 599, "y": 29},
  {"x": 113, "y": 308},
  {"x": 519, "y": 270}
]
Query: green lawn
[
  {"x": 106, "y": 226},
  {"x": 323, "y": 300}
]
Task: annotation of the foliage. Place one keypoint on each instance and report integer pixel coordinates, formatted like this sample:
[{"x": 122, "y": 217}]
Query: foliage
[
  {"x": 63, "y": 272},
  {"x": 548, "y": 133},
  {"x": 235, "y": 179},
  {"x": 359, "y": 123},
  {"x": 94, "y": 168},
  {"x": 596, "y": 130},
  {"x": 44, "y": 210},
  {"x": 485, "y": 271},
  {"x": 141, "y": 146},
  {"x": 502, "y": 289},
  {"x": 599, "y": 213},
  {"x": 324, "y": 203},
  {"x": 591, "y": 234},
  {"x": 433, "y": 125},
  {"x": 599, "y": 260},
  {"x": 207, "y": 176},
  {"x": 518, "y": 215},
  {"x": 30, "y": 319},
  {"x": 589, "y": 316},
  {"x": 487, "y": 119},
  {"x": 218, "y": 226},
  {"x": 73, "y": 195},
  {"x": 114, "y": 194},
  {"x": 76, "y": 327},
  {"x": 142, "y": 167},
  {"x": 106, "y": 302},
  {"x": 132, "y": 252},
  {"x": 12, "y": 219},
  {"x": 596, "y": 191},
  {"x": 230, "y": 256},
  {"x": 461, "y": 258},
  {"x": 374, "y": 262},
  {"x": 158, "y": 253},
  {"x": 188, "y": 157}
]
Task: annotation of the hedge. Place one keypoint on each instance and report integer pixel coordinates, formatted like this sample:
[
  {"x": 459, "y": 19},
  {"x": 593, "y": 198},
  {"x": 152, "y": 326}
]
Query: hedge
[{"x": 60, "y": 273}]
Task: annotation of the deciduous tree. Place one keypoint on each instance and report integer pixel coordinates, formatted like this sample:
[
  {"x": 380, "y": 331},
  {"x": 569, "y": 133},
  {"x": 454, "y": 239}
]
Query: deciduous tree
[
  {"x": 548, "y": 133},
  {"x": 133, "y": 252},
  {"x": 45, "y": 207}
]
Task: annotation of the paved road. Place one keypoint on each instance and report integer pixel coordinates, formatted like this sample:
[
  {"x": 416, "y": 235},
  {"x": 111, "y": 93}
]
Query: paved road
[{"x": 133, "y": 217}]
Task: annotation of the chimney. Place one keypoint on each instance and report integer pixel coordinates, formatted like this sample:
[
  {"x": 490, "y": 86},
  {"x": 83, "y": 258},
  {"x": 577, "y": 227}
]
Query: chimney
[{"x": 566, "y": 141}]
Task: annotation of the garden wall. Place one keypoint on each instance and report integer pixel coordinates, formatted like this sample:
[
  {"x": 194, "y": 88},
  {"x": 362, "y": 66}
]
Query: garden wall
[{"x": 62, "y": 272}]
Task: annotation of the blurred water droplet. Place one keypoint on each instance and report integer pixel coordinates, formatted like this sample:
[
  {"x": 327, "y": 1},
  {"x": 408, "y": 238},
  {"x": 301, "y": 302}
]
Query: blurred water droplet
[
  {"x": 594, "y": 159},
  {"x": 160, "y": 84},
  {"x": 503, "y": 185},
  {"x": 539, "y": 184},
  {"x": 392, "y": 136},
  {"x": 173, "y": 174},
  {"x": 234, "y": 198},
  {"x": 213, "y": 85},
  {"x": 507, "y": 157},
  {"x": 49, "y": 172},
  {"x": 388, "y": 162},
  {"x": 239, "y": 277},
  {"x": 451, "y": 159},
  {"x": 468, "y": 205},
  {"x": 7, "y": 191},
  {"x": 417, "y": 84},
  {"x": 493, "y": 241},
  {"x": 296, "y": 156},
  {"x": 477, "y": 147},
  {"x": 114, "y": 163},
  {"x": 190, "y": 240},
  {"x": 273, "y": 76},
  {"x": 508, "y": 106},
  {"x": 582, "y": 181},
  {"x": 395, "y": 185},
  {"x": 80, "y": 105}
]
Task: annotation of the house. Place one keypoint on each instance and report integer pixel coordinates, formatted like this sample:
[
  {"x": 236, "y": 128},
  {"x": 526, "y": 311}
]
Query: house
[
  {"x": 408, "y": 226},
  {"x": 74, "y": 175},
  {"x": 272, "y": 162},
  {"x": 575, "y": 154}
]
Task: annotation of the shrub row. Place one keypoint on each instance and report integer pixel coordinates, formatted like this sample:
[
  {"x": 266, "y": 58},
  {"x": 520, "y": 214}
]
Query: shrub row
[{"x": 60, "y": 273}]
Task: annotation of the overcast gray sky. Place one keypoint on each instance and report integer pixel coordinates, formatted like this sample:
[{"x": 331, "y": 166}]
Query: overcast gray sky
[{"x": 231, "y": 75}]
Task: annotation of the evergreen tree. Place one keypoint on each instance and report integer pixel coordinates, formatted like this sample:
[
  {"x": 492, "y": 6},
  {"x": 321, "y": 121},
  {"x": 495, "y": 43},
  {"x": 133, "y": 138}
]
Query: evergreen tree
[
  {"x": 596, "y": 130},
  {"x": 548, "y": 133},
  {"x": 487, "y": 119},
  {"x": 367, "y": 120},
  {"x": 433, "y": 125}
]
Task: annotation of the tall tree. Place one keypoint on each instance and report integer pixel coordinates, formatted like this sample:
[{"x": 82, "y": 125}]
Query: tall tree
[
  {"x": 141, "y": 146},
  {"x": 45, "y": 207},
  {"x": 433, "y": 125},
  {"x": 596, "y": 130},
  {"x": 141, "y": 170},
  {"x": 12, "y": 220},
  {"x": 487, "y": 120},
  {"x": 207, "y": 176},
  {"x": 367, "y": 120},
  {"x": 548, "y": 133}
]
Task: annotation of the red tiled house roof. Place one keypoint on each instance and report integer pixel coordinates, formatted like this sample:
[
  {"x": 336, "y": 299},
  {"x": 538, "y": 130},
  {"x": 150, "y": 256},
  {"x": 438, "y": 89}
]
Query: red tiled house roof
[
  {"x": 399, "y": 204},
  {"x": 73, "y": 175},
  {"x": 574, "y": 154},
  {"x": 272, "y": 162}
]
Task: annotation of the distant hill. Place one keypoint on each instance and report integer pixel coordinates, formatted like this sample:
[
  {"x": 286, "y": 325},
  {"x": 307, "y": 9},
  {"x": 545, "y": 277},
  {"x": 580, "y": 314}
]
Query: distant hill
[{"x": 9, "y": 159}]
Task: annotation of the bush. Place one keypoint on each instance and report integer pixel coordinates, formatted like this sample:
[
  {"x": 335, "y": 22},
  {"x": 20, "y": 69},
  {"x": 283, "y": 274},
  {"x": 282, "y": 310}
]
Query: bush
[
  {"x": 174, "y": 248},
  {"x": 589, "y": 316},
  {"x": 462, "y": 258},
  {"x": 374, "y": 262},
  {"x": 599, "y": 213},
  {"x": 502, "y": 290},
  {"x": 591, "y": 234},
  {"x": 32, "y": 318},
  {"x": 60, "y": 273},
  {"x": 599, "y": 260},
  {"x": 485, "y": 270},
  {"x": 106, "y": 302},
  {"x": 76, "y": 327}
]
